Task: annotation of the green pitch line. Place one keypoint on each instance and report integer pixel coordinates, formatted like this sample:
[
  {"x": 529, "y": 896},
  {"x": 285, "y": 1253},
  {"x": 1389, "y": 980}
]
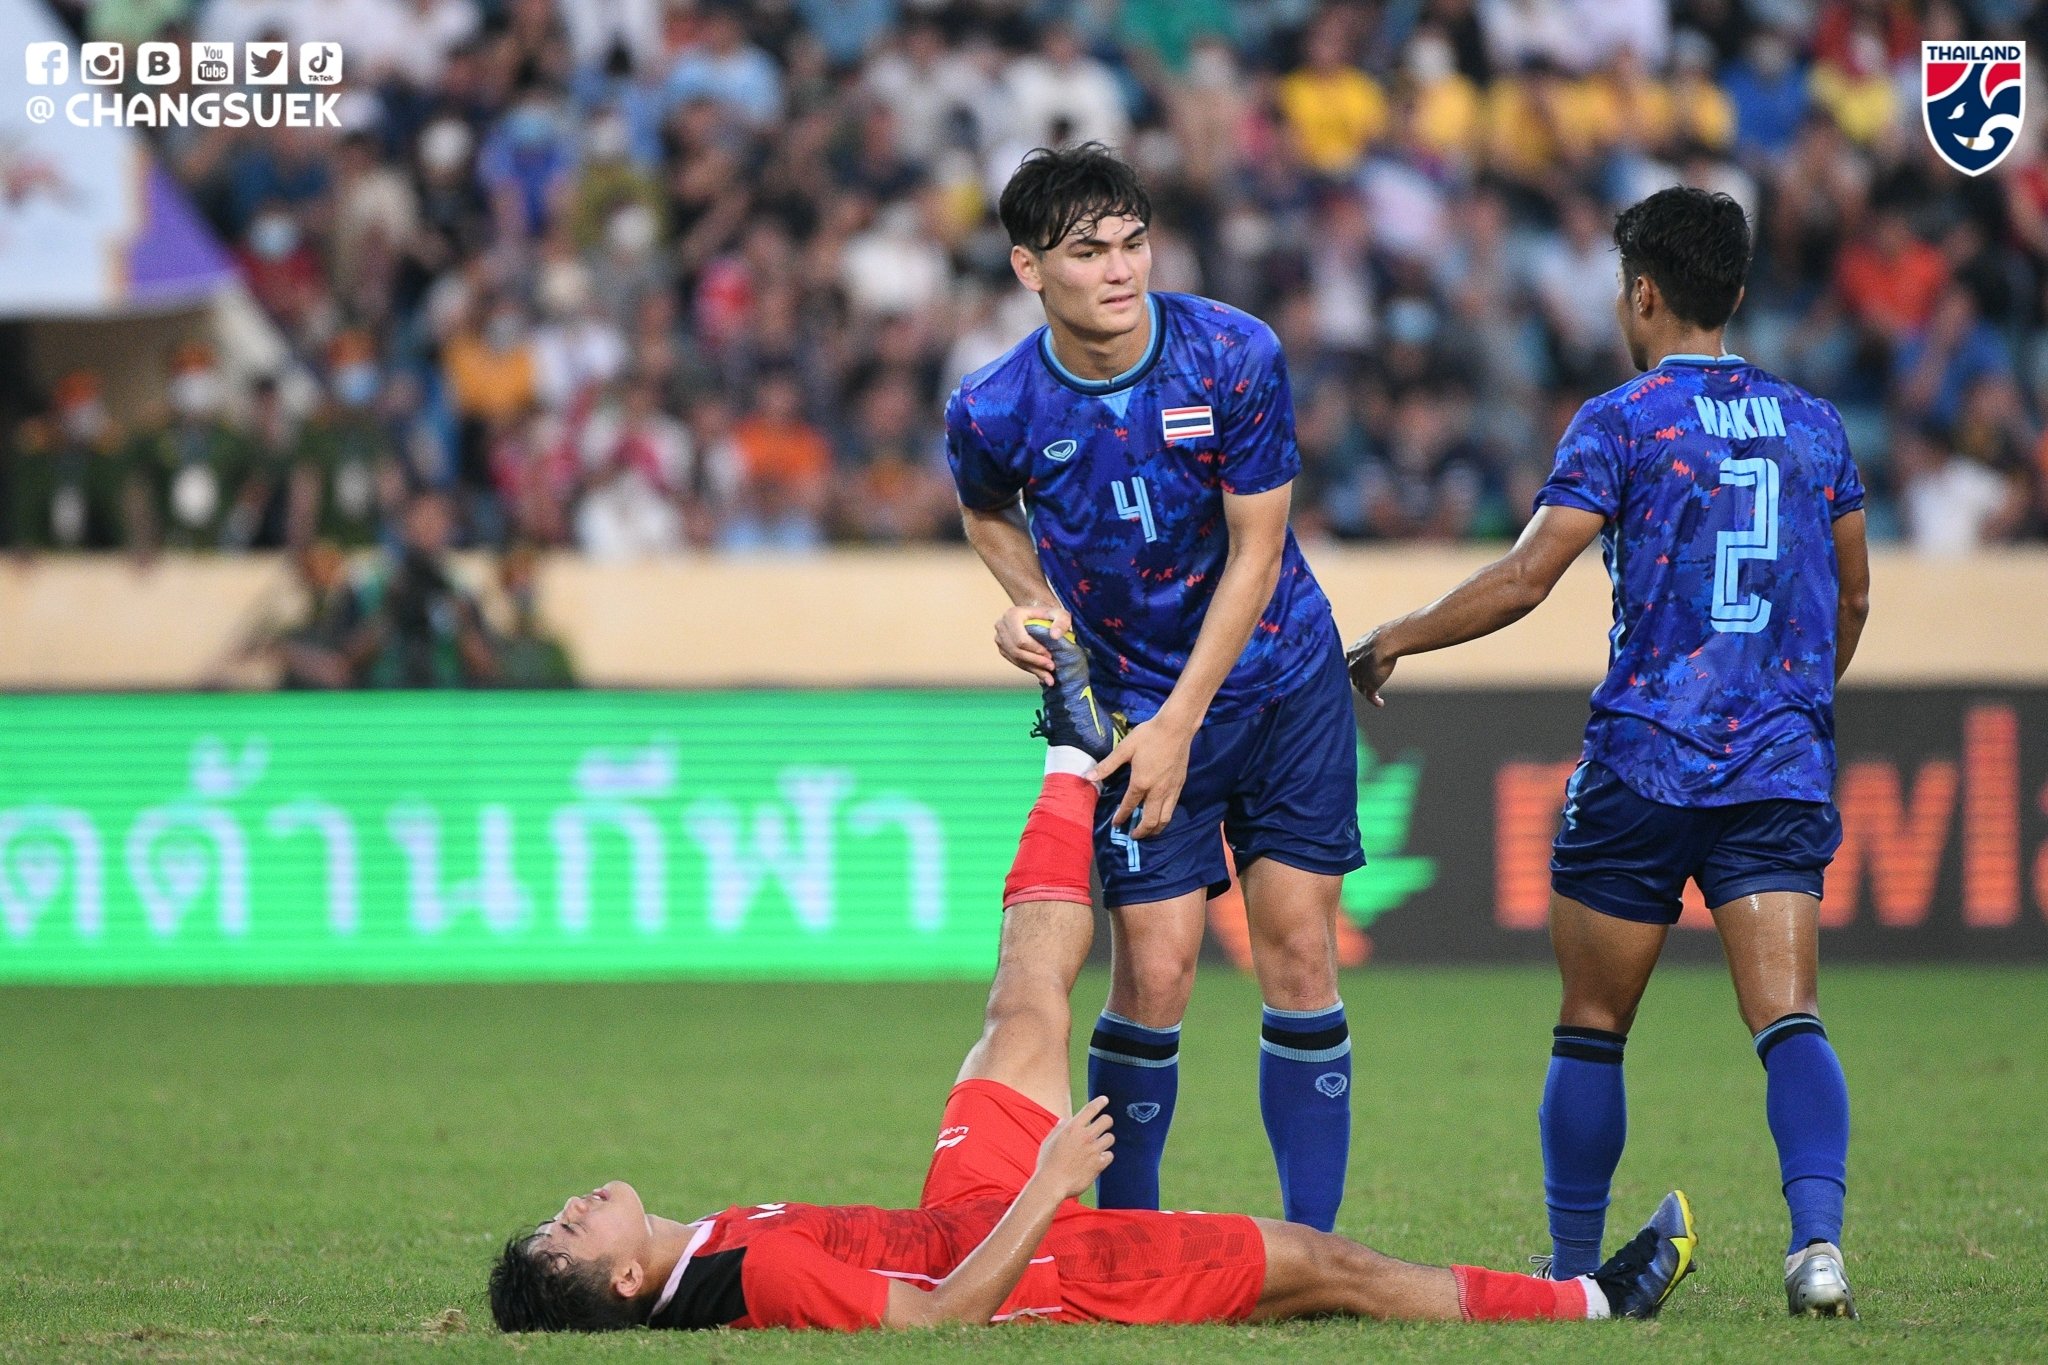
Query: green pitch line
[{"x": 324, "y": 1174}]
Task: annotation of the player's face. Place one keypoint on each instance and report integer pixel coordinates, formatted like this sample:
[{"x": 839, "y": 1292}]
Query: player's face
[
  {"x": 1094, "y": 282},
  {"x": 607, "y": 1225}
]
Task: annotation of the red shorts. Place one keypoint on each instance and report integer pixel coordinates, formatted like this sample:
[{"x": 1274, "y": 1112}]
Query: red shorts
[{"x": 1108, "y": 1265}]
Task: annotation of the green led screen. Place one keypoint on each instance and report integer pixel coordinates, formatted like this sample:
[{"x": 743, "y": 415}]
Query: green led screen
[{"x": 388, "y": 836}]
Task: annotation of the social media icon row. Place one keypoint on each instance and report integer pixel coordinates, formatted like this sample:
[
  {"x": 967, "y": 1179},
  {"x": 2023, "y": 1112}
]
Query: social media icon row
[{"x": 163, "y": 63}]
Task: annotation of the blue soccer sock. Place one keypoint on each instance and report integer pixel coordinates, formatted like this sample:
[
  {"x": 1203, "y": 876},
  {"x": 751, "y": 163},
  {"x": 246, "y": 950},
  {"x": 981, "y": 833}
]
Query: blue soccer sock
[
  {"x": 1305, "y": 1096},
  {"x": 1807, "y": 1099},
  {"x": 1139, "y": 1069},
  {"x": 1584, "y": 1123}
]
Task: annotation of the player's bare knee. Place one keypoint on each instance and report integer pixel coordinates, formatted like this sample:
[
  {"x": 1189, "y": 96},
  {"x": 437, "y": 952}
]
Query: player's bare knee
[
  {"x": 1608, "y": 1014},
  {"x": 1760, "y": 1014},
  {"x": 1297, "y": 970},
  {"x": 1153, "y": 991}
]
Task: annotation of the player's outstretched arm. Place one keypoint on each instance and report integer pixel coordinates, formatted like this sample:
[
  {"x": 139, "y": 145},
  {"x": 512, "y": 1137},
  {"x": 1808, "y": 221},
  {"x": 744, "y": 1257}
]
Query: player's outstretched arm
[
  {"x": 999, "y": 537},
  {"x": 1073, "y": 1154},
  {"x": 1498, "y": 595},
  {"x": 1852, "y": 601}
]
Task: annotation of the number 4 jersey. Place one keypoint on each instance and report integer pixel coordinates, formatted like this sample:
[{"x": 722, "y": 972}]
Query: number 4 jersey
[
  {"x": 1124, "y": 481},
  {"x": 1720, "y": 483}
]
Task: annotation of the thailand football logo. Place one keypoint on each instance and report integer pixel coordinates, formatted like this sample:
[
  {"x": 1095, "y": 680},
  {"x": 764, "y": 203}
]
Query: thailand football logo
[{"x": 1972, "y": 99}]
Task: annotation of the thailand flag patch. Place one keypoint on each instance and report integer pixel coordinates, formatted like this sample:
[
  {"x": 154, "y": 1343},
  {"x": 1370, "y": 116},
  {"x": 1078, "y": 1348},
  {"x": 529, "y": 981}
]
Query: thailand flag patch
[{"x": 1185, "y": 424}]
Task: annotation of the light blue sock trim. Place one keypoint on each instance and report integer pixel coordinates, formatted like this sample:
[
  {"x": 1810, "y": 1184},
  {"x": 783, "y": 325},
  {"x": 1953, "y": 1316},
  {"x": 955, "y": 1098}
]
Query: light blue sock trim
[
  {"x": 1116, "y": 1018},
  {"x": 1125, "y": 1059},
  {"x": 1337, "y": 1008},
  {"x": 1295, "y": 1054}
]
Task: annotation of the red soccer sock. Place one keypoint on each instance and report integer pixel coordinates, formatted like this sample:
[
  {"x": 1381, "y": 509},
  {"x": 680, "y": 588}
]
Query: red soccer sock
[
  {"x": 1058, "y": 847},
  {"x": 1497, "y": 1296}
]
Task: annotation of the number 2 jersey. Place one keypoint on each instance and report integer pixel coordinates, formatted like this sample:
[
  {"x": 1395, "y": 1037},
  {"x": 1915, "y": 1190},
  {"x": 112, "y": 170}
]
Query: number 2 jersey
[
  {"x": 1123, "y": 483},
  {"x": 1720, "y": 483}
]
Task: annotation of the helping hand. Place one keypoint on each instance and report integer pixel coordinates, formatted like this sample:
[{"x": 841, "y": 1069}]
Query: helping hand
[
  {"x": 1023, "y": 651},
  {"x": 1370, "y": 666},
  {"x": 1157, "y": 754}
]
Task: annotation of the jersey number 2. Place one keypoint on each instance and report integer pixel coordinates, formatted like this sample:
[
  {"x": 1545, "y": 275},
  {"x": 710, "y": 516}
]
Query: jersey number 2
[
  {"x": 1135, "y": 505},
  {"x": 1734, "y": 611}
]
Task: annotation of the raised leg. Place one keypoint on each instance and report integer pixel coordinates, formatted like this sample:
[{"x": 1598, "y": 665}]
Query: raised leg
[{"x": 1048, "y": 926}]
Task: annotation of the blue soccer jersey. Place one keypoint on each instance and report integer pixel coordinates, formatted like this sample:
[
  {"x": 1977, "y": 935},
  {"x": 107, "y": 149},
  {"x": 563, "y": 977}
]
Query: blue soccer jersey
[
  {"x": 1720, "y": 483},
  {"x": 1123, "y": 483}
]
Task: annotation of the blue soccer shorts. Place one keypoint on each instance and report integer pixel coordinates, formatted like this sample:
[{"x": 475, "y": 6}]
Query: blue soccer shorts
[
  {"x": 1625, "y": 855},
  {"x": 1280, "y": 782}
]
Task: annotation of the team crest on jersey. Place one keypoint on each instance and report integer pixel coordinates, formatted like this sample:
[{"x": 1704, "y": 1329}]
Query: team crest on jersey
[
  {"x": 1186, "y": 424},
  {"x": 1973, "y": 97}
]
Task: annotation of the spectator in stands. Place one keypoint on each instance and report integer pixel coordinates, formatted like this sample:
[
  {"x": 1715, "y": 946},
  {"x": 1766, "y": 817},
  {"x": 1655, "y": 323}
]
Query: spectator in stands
[
  {"x": 897, "y": 489},
  {"x": 276, "y": 500},
  {"x": 1769, "y": 93},
  {"x": 526, "y": 167},
  {"x": 349, "y": 448},
  {"x": 781, "y": 452},
  {"x": 781, "y": 217},
  {"x": 1061, "y": 94},
  {"x": 528, "y": 655},
  {"x": 637, "y": 465},
  {"x": 70, "y": 485},
  {"x": 1334, "y": 110},
  {"x": 313, "y": 652},
  {"x": 1954, "y": 505},
  {"x": 419, "y": 626},
  {"x": 723, "y": 67},
  {"x": 1943, "y": 361},
  {"x": 1855, "y": 87},
  {"x": 193, "y": 459}
]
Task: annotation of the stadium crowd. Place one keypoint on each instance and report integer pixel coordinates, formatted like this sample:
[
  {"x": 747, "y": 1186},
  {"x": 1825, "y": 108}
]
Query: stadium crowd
[{"x": 640, "y": 276}]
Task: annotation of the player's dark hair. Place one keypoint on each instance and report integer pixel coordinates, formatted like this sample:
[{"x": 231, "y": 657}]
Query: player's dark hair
[
  {"x": 1694, "y": 245},
  {"x": 1058, "y": 192},
  {"x": 538, "y": 1289}
]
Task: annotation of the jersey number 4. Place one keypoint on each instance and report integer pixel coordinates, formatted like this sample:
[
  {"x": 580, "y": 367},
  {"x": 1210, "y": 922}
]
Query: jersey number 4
[
  {"x": 1734, "y": 611},
  {"x": 1135, "y": 504}
]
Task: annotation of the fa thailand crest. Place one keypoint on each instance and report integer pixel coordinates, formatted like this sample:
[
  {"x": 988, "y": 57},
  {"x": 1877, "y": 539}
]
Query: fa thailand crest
[{"x": 1972, "y": 99}]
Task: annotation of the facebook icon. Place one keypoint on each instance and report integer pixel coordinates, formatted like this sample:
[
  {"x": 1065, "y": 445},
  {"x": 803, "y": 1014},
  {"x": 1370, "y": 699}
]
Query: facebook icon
[{"x": 48, "y": 63}]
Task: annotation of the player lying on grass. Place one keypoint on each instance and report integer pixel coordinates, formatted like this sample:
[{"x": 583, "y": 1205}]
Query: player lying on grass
[{"x": 998, "y": 1234}]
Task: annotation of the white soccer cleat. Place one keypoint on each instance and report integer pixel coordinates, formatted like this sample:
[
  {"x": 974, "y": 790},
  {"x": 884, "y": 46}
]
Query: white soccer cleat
[{"x": 1816, "y": 1286}]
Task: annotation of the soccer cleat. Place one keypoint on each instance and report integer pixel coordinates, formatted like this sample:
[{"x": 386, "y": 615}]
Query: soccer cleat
[
  {"x": 1539, "y": 1266},
  {"x": 1638, "y": 1278},
  {"x": 1071, "y": 716},
  {"x": 1816, "y": 1286}
]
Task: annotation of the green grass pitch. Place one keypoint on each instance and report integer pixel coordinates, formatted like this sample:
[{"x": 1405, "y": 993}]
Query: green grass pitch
[{"x": 323, "y": 1174}]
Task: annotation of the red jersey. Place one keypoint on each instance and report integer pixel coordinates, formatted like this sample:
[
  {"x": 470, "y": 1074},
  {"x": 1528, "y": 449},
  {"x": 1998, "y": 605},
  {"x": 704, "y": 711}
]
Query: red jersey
[{"x": 818, "y": 1266}]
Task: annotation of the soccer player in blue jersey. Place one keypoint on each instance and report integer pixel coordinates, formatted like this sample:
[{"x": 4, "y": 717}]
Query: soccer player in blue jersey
[
  {"x": 1125, "y": 472},
  {"x": 1729, "y": 513}
]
